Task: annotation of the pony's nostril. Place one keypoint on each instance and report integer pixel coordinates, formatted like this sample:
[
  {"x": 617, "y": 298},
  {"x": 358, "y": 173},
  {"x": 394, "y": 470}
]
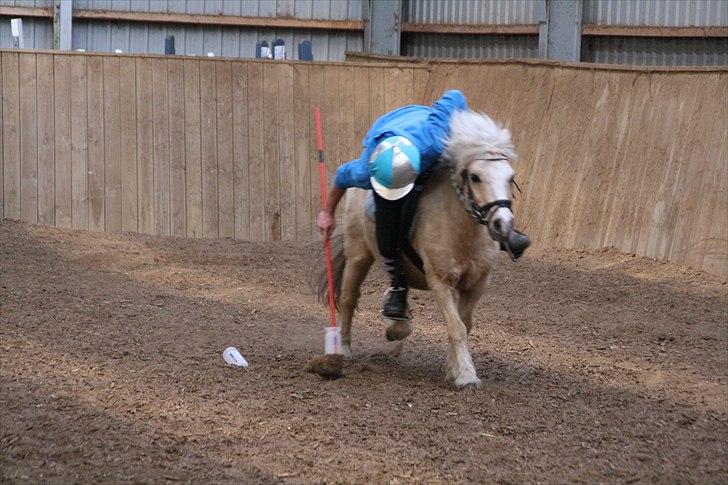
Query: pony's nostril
[{"x": 497, "y": 225}]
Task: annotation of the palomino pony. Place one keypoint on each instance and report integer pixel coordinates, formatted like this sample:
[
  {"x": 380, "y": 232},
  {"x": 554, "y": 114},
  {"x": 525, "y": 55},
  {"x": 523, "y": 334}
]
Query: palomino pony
[{"x": 464, "y": 210}]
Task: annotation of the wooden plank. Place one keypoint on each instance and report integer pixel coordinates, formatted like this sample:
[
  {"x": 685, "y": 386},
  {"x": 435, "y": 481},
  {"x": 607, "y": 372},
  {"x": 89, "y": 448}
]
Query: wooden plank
[
  {"x": 302, "y": 138},
  {"x": 317, "y": 94},
  {"x": 128, "y": 153},
  {"x": 361, "y": 110},
  {"x": 241, "y": 161},
  {"x": 331, "y": 122},
  {"x": 37, "y": 12},
  {"x": 79, "y": 142},
  {"x": 376, "y": 93},
  {"x": 112, "y": 145},
  {"x": 193, "y": 163},
  {"x": 2, "y": 159},
  {"x": 46, "y": 145},
  {"x": 96, "y": 144},
  {"x": 255, "y": 151},
  {"x": 145, "y": 146},
  {"x": 347, "y": 116},
  {"x": 208, "y": 116},
  {"x": 62, "y": 142},
  {"x": 474, "y": 29},
  {"x": 420, "y": 86},
  {"x": 287, "y": 164},
  {"x": 361, "y": 122},
  {"x": 160, "y": 129},
  {"x": 177, "y": 183},
  {"x": 225, "y": 172},
  {"x": 271, "y": 153},
  {"x": 220, "y": 20},
  {"x": 11, "y": 135},
  {"x": 652, "y": 31},
  {"x": 28, "y": 139},
  {"x": 407, "y": 87},
  {"x": 392, "y": 78}
]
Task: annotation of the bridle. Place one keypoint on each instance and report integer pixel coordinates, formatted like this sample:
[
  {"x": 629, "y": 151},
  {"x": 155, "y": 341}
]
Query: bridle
[{"x": 479, "y": 213}]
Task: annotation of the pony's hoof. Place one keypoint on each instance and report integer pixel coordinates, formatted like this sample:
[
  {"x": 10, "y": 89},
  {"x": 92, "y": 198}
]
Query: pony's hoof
[
  {"x": 398, "y": 330},
  {"x": 464, "y": 384}
]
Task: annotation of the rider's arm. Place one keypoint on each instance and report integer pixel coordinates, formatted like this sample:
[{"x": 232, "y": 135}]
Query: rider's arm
[
  {"x": 443, "y": 108},
  {"x": 352, "y": 174},
  {"x": 335, "y": 195}
]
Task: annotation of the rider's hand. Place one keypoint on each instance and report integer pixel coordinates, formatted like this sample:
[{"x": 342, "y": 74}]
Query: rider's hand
[{"x": 326, "y": 223}]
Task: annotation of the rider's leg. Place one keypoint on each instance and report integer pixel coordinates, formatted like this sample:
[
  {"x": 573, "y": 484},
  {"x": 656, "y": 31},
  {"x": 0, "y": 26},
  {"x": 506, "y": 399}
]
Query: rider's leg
[{"x": 388, "y": 228}]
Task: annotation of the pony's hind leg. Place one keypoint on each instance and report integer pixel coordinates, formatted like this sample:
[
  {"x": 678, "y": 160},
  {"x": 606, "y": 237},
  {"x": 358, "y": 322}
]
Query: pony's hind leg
[
  {"x": 460, "y": 366},
  {"x": 356, "y": 269}
]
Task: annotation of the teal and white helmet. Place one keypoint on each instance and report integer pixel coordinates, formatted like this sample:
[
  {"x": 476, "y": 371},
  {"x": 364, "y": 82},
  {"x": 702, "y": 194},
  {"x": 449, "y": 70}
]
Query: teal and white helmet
[{"x": 394, "y": 167}]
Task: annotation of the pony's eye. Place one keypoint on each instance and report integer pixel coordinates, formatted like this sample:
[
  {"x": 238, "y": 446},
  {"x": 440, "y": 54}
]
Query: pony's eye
[{"x": 474, "y": 178}]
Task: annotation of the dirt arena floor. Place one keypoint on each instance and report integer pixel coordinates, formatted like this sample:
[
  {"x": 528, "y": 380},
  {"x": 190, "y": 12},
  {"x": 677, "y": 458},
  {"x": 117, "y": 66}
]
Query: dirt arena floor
[{"x": 596, "y": 366}]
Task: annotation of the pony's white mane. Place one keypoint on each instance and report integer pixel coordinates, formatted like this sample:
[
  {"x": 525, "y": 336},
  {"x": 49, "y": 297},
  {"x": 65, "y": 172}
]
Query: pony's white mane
[{"x": 475, "y": 136}]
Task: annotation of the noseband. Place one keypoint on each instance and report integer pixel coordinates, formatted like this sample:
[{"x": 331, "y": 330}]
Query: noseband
[{"x": 479, "y": 213}]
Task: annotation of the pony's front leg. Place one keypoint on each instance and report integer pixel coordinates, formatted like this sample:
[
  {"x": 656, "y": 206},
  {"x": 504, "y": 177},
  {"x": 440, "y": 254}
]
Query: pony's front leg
[
  {"x": 460, "y": 367},
  {"x": 355, "y": 271}
]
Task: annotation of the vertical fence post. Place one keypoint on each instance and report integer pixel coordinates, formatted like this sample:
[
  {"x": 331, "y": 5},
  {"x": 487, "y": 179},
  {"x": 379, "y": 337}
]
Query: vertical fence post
[
  {"x": 563, "y": 30},
  {"x": 62, "y": 10},
  {"x": 66, "y": 25},
  {"x": 383, "y": 30}
]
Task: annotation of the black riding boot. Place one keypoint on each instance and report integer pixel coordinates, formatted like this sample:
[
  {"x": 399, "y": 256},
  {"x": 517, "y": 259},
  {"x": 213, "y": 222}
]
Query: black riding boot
[
  {"x": 395, "y": 299},
  {"x": 517, "y": 243},
  {"x": 395, "y": 304}
]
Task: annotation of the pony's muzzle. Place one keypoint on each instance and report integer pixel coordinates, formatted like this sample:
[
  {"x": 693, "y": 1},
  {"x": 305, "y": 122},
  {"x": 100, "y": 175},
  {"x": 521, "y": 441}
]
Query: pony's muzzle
[{"x": 501, "y": 224}]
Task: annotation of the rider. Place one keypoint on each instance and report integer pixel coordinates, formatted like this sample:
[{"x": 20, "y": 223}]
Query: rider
[{"x": 399, "y": 146}]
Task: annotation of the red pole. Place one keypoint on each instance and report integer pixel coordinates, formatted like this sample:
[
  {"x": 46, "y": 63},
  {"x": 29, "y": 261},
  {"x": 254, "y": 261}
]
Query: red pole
[{"x": 322, "y": 186}]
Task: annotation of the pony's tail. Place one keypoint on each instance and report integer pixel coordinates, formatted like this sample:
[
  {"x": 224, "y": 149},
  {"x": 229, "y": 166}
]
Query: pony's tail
[{"x": 338, "y": 262}]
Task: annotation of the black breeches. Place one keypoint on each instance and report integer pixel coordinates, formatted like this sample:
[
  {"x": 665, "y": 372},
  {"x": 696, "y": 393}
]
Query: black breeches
[{"x": 393, "y": 221}]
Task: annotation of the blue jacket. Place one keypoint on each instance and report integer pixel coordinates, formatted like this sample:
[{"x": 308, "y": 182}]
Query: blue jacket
[{"x": 426, "y": 127}]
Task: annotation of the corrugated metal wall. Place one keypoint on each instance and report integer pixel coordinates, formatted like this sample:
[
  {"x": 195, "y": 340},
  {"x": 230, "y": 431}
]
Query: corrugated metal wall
[
  {"x": 198, "y": 40},
  {"x": 300, "y": 9},
  {"x": 38, "y": 33},
  {"x": 504, "y": 12},
  {"x": 656, "y": 51},
  {"x": 471, "y": 12},
  {"x": 665, "y": 13},
  {"x": 27, "y": 3},
  {"x": 469, "y": 46},
  {"x": 331, "y": 45}
]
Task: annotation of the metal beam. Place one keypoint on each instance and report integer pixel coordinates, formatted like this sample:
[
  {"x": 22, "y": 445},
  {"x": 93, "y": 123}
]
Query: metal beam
[
  {"x": 66, "y": 19},
  {"x": 543, "y": 33},
  {"x": 563, "y": 30},
  {"x": 383, "y": 31},
  {"x": 220, "y": 20}
]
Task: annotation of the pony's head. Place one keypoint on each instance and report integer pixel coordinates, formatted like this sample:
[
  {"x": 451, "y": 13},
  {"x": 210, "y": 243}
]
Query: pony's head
[{"x": 479, "y": 153}]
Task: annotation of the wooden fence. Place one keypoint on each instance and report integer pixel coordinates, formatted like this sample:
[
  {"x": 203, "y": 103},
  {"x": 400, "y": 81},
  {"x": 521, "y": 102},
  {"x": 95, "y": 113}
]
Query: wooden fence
[
  {"x": 632, "y": 158},
  {"x": 192, "y": 147}
]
